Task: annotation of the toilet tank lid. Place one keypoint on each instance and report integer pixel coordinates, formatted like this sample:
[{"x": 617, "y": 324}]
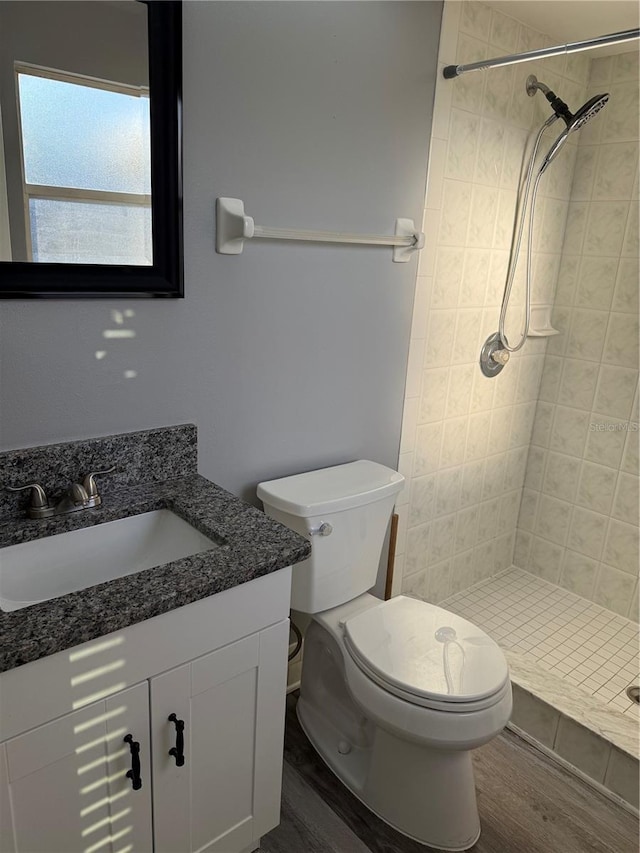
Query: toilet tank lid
[{"x": 331, "y": 489}]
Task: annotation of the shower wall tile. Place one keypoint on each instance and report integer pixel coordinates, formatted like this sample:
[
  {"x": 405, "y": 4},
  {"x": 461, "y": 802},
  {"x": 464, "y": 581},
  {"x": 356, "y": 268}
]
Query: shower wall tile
[
  {"x": 466, "y": 438},
  {"x": 504, "y": 32},
  {"x": 497, "y": 92},
  {"x": 630, "y": 458},
  {"x": 567, "y": 278},
  {"x": 488, "y": 166},
  {"x": 586, "y": 337},
  {"x": 615, "y": 391},
  {"x": 596, "y": 309},
  {"x": 462, "y": 571},
  {"x": 631, "y": 243},
  {"x": 478, "y": 269},
  {"x": 622, "y": 123},
  {"x": 461, "y": 155},
  {"x": 561, "y": 479},
  {"x": 621, "y": 544},
  {"x": 625, "y": 67},
  {"x": 578, "y": 574},
  {"x": 625, "y": 506},
  {"x": 576, "y": 225},
  {"x": 469, "y": 95},
  {"x": 534, "y": 716},
  {"x": 569, "y": 431},
  {"x": 605, "y": 228},
  {"x": 596, "y": 282},
  {"x": 583, "y": 178},
  {"x": 582, "y": 748},
  {"x": 536, "y": 465},
  {"x": 447, "y": 279},
  {"x": 622, "y": 772},
  {"x": 614, "y": 589},
  {"x": 616, "y": 170},
  {"x": 601, "y": 70},
  {"x": 596, "y": 487},
  {"x": 579, "y": 382},
  {"x": 606, "y": 440},
  {"x": 554, "y": 517},
  {"x": 621, "y": 343},
  {"x": 577, "y": 67},
  {"x": 587, "y": 532},
  {"x": 456, "y": 207},
  {"x": 625, "y": 297},
  {"x": 544, "y": 559},
  {"x": 475, "y": 19}
]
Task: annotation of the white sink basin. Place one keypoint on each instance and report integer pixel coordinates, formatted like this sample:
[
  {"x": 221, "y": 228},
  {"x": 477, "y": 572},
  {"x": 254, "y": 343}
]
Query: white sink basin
[{"x": 56, "y": 565}]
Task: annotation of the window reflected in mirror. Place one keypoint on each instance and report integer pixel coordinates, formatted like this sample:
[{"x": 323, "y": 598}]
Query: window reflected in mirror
[
  {"x": 86, "y": 165},
  {"x": 75, "y": 178}
]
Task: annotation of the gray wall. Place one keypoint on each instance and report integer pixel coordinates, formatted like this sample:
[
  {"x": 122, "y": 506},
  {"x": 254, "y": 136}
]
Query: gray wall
[{"x": 287, "y": 357}]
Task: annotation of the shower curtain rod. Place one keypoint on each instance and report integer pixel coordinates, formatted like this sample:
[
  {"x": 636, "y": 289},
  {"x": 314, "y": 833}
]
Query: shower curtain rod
[{"x": 452, "y": 71}]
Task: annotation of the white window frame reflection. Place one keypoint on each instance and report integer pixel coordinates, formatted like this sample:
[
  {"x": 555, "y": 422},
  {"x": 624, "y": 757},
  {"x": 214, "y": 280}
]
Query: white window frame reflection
[{"x": 63, "y": 193}]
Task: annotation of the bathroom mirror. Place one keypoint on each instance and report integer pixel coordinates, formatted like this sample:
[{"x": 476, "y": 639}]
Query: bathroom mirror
[{"x": 90, "y": 153}]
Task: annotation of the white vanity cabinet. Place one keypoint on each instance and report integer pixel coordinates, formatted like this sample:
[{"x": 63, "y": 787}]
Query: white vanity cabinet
[
  {"x": 64, "y": 784},
  {"x": 210, "y": 775},
  {"x": 232, "y": 704}
]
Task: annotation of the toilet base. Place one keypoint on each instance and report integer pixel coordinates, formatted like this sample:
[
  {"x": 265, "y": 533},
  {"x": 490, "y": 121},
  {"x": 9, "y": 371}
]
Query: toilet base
[{"x": 424, "y": 793}]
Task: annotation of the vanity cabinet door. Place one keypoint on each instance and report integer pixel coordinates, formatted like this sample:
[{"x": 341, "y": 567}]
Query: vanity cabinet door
[
  {"x": 226, "y": 794},
  {"x": 63, "y": 785},
  {"x": 130, "y": 825}
]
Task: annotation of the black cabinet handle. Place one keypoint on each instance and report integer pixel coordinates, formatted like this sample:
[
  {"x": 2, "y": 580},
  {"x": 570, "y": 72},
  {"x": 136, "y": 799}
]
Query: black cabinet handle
[
  {"x": 134, "y": 773},
  {"x": 178, "y": 750}
]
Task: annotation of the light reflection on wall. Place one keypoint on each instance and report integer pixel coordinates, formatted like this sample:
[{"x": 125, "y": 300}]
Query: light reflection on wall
[
  {"x": 102, "y": 757},
  {"x": 119, "y": 319}
]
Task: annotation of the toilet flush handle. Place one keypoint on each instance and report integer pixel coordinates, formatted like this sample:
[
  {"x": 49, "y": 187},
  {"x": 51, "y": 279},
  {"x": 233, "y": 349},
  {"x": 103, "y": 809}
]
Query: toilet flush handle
[{"x": 324, "y": 529}]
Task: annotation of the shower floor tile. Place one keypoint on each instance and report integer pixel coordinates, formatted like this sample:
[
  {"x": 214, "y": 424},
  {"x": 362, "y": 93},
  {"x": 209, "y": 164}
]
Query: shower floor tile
[{"x": 574, "y": 638}]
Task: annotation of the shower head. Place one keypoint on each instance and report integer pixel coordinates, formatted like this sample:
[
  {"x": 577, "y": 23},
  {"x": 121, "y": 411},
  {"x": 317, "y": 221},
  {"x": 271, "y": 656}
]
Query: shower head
[
  {"x": 573, "y": 121},
  {"x": 555, "y": 149},
  {"x": 587, "y": 111}
]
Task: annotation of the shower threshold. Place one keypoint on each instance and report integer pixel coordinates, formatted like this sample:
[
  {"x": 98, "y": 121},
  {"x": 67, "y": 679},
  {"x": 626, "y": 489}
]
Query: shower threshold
[{"x": 571, "y": 662}]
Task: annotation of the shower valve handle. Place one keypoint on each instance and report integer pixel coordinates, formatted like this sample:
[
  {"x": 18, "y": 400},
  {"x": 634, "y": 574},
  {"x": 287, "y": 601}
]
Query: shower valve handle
[{"x": 501, "y": 356}]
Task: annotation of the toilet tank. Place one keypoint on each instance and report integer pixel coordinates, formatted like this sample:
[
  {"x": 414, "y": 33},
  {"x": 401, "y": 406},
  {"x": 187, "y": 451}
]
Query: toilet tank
[{"x": 355, "y": 502}]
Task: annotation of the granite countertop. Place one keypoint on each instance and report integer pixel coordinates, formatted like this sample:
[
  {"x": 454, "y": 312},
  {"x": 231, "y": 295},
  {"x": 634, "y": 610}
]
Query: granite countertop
[{"x": 250, "y": 545}]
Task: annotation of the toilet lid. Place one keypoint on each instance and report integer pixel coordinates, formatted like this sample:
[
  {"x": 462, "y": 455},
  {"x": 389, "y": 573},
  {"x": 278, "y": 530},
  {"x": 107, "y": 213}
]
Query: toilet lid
[{"x": 426, "y": 651}]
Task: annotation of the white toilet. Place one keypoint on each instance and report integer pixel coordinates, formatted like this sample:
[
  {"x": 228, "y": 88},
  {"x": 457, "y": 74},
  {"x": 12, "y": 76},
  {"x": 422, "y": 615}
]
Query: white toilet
[{"x": 394, "y": 694}]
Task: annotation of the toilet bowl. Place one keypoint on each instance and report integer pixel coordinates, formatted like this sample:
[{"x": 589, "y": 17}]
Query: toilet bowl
[
  {"x": 394, "y": 694},
  {"x": 405, "y": 754}
]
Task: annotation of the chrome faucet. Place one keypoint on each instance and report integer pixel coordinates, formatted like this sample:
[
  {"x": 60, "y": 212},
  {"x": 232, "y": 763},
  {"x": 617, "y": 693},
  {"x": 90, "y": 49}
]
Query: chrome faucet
[{"x": 83, "y": 495}]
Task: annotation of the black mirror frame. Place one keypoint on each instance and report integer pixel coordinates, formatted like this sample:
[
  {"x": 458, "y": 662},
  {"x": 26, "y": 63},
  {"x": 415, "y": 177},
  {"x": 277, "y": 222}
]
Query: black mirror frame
[{"x": 24, "y": 280}]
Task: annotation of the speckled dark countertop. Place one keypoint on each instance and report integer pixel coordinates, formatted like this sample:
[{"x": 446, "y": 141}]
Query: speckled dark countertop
[{"x": 250, "y": 545}]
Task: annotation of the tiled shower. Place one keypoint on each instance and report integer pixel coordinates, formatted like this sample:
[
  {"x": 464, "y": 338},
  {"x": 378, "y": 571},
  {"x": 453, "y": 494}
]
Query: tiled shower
[
  {"x": 529, "y": 478},
  {"x": 578, "y": 522}
]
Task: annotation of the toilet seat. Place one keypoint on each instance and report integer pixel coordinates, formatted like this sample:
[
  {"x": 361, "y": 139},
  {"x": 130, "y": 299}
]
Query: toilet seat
[{"x": 426, "y": 655}]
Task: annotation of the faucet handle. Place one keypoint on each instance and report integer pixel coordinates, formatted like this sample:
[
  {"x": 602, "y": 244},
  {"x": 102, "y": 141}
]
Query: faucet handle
[
  {"x": 39, "y": 498},
  {"x": 90, "y": 484},
  {"x": 39, "y": 506}
]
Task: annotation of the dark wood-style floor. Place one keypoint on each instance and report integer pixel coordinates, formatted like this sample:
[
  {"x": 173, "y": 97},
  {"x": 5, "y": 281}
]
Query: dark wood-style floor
[{"x": 528, "y": 804}]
